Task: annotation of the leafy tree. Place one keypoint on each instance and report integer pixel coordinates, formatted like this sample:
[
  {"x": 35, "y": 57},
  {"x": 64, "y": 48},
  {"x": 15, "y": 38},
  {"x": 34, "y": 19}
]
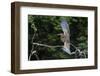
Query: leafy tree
[{"x": 45, "y": 30}]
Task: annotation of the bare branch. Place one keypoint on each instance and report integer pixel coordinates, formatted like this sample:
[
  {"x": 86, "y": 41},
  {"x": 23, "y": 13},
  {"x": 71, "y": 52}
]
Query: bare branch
[{"x": 47, "y": 45}]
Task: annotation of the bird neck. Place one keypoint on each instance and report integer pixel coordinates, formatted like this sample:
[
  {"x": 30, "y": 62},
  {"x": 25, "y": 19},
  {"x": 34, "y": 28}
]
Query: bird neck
[{"x": 66, "y": 45}]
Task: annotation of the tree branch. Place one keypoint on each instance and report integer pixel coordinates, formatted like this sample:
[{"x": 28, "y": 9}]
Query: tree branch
[{"x": 47, "y": 45}]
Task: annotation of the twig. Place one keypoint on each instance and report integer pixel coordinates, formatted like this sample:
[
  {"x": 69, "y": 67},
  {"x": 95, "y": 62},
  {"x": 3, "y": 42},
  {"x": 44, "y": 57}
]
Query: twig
[
  {"x": 47, "y": 45},
  {"x": 33, "y": 53}
]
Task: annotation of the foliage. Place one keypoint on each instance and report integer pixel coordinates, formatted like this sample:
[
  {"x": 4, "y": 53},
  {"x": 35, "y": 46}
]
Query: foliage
[{"x": 46, "y": 30}]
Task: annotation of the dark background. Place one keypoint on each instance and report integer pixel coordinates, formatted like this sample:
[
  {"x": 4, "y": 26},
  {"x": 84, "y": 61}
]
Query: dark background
[{"x": 47, "y": 28}]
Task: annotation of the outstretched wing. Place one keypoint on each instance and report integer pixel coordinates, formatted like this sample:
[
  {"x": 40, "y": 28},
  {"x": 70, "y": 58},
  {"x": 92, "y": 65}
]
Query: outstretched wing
[
  {"x": 65, "y": 26},
  {"x": 65, "y": 29}
]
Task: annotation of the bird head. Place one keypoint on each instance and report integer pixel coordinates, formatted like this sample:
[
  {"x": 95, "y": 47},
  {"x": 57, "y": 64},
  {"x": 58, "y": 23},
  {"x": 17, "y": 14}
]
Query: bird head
[{"x": 62, "y": 36}]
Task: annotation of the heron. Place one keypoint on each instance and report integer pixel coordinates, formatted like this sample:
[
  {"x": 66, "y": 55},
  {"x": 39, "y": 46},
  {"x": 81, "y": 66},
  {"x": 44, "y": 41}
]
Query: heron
[{"x": 65, "y": 36}]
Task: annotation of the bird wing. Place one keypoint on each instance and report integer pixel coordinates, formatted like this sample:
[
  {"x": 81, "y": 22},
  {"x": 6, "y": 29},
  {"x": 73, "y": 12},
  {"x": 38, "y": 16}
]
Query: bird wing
[
  {"x": 64, "y": 25},
  {"x": 67, "y": 50},
  {"x": 65, "y": 29}
]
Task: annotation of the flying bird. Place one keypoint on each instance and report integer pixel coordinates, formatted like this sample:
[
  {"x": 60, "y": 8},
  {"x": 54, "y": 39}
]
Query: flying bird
[{"x": 65, "y": 37}]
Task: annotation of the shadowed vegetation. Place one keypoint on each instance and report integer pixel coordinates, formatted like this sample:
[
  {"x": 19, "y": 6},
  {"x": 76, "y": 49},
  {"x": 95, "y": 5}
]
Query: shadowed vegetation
[{"x": 46, "y": 29}]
